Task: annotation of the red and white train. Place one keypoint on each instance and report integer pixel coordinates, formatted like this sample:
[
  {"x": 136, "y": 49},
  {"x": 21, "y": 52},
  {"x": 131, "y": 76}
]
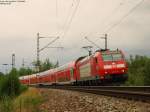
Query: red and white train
[{"x": 103, "y": 65}]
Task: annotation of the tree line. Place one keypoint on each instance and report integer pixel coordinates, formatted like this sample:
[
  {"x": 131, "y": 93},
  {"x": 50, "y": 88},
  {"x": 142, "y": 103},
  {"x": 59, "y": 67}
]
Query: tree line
[
  {"x": 43, "y": 66},
  {"x": 139, "y": 71},
  {"x": 9, "y": 83}
]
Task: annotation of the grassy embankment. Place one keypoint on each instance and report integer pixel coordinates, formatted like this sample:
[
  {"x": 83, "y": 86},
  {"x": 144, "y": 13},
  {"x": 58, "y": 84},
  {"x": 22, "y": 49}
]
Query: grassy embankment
[{"x": 28, "y": 101}]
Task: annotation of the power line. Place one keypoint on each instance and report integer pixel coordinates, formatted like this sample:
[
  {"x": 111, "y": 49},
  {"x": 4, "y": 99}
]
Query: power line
[
  {"x": 72, "y": 16},
  {"x": 55, "y": 38},
  {"x": 109, "y": 17},
  {"x": 125, "y": 16},
  {"x": 67, "y": 17},
  {"x": 92, "y": 42},
  {"x": 59, "y": 33}
]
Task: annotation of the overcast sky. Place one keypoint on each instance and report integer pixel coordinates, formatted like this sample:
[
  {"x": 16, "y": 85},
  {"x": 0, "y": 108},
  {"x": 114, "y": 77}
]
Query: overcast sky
[{"x": 20, "y": 22}]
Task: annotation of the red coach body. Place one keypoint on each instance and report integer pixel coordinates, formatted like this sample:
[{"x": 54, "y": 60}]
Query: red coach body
[{"x": 65, "y": 74}]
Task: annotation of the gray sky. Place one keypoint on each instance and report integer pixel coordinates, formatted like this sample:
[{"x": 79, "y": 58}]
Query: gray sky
[{"x": 20, "y": 22}]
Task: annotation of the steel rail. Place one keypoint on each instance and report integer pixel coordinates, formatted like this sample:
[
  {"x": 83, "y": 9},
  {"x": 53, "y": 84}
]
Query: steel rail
[{"x": 137, "y": 93}]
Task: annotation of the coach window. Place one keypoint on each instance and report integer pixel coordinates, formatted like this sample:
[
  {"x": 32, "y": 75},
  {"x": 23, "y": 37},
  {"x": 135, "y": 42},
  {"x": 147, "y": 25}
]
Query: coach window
[{"x": 71, "y": 72}]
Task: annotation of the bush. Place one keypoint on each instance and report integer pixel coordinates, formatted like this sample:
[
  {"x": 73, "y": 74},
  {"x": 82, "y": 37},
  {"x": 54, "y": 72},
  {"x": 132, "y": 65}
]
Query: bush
[
  {"x": 10, "y": 84},
  {"x": 6, "y": 104},
  {"x": 23, "y": 88},
  {"x": 139, "y": 71},
  {"x": 147, "y": 73}
]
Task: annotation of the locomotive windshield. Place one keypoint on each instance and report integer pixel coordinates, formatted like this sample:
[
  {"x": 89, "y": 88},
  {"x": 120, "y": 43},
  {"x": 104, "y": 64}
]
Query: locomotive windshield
[
  {"x": 112, "y": 57},
  {"x": 107, "y": 57},
  {"x": 116, "y": 56}
]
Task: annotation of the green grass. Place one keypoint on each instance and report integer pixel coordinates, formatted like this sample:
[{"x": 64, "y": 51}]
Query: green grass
[{"x": 28, "y": 101}]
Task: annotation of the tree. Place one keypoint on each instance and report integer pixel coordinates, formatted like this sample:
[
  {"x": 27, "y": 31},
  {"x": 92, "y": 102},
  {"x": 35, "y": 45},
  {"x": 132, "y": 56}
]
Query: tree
[
  {"x": 22, "y": 71},
  {"x": 147, "y": 73},
  {"x": 10, "y": 85},
  {"x": 25, "y": 71},
  {"x": 14, "y": 82},
  {"x": 139, "y": 71},
  {"x": 46, "y": 65},
  {"x": 1, "y": 74},
  {"x": 57, "y": 64}
]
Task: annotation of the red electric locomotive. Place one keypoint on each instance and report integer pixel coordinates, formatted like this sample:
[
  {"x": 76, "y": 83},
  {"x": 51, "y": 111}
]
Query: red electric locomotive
[{"x": 103, "y": 65}]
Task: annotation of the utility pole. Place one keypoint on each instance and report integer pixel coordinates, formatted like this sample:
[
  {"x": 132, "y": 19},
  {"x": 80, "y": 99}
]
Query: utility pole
[
  {"x": 38, "y": 56},
  {"x": 23, "y": 63},
  {"x": 105, "y": 37},
  {"x": 88, "y": 48},
  {"x": 41, "y": 49},
  {"x": 13, "y": 60}
]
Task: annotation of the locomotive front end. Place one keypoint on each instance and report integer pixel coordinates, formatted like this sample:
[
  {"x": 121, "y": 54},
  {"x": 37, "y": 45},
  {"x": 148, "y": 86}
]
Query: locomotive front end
[{"x": 114, "y": 65}]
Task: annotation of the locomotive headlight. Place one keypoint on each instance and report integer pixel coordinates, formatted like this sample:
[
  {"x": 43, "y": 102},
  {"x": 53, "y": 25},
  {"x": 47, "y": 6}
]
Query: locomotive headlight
[
  {"x": 120, "y": 65},
  {"x": 122, "y": 70}
]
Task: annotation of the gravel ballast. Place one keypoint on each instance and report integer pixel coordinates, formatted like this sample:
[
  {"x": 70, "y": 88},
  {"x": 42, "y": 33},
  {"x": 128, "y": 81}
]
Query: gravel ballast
[{"x": 71, "y": 101}]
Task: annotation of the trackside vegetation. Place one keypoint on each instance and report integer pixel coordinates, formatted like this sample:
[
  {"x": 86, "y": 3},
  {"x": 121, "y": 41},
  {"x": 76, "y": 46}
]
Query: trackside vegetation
[
  {"x": 10, "y": 85},
  {"x": 139, "y": 71},
  {"x": 10, "y": 88},
  {"x": 28, "y": 101},
  {"x": 15, "y": 97}
]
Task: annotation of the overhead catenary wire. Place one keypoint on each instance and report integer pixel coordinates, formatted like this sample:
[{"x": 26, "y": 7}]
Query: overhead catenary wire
[
  {"x": 109, "y": 17},
  {"x": 124, "y": 17},
  {"x": 61, "y": 31},
  {"x": 72, "y": 11},
  {"x": 71, "y": 19},
  {"x": 66, "y": 19},
  {"x": 46, "y": 46},
  {"x": 92, "y": 42}
]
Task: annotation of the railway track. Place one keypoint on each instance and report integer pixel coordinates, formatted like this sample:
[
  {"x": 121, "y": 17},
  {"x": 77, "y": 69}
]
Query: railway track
[{"x": 131, "y": 93}]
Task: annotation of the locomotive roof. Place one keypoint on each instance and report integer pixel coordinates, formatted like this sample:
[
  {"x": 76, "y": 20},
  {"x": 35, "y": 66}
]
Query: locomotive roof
[
  {"x": 83, "y": 58},
  {"x": 108, "y": 51}
]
